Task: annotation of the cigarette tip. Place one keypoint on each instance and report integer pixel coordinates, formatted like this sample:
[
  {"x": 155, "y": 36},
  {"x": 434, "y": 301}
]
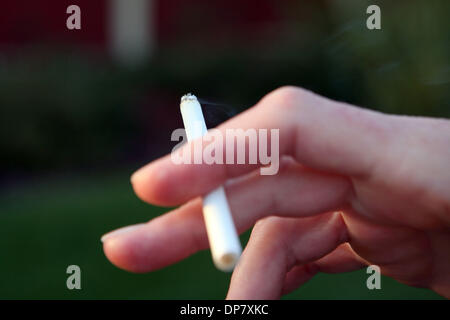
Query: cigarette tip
[
  {"x": 188, "y": 97},
  {"x": 226, "y": 262}
]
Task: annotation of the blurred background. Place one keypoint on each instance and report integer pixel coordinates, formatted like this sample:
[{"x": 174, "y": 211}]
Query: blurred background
[{"x": 80, "y": 110}]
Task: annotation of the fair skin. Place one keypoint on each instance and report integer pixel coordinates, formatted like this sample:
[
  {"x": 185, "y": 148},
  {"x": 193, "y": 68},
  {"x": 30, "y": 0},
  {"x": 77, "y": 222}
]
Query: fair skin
[{"x": 355, "y": 187}]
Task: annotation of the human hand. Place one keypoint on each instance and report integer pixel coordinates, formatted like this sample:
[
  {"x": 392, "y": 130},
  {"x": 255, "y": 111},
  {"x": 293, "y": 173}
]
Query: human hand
[{"x": 355, "y": 187}]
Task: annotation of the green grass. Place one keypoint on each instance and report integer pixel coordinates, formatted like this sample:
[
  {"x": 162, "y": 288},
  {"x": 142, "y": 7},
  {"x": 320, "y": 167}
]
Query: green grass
[{"x": 46, "y": 226}]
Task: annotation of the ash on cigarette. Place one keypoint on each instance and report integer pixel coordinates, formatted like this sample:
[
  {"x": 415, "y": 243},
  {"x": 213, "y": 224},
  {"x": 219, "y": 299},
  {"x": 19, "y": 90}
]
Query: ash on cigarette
[{"x": 188, "y": 96}]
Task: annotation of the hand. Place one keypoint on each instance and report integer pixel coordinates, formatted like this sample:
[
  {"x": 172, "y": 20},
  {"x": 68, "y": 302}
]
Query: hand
[{"x": 355, "y": 187}]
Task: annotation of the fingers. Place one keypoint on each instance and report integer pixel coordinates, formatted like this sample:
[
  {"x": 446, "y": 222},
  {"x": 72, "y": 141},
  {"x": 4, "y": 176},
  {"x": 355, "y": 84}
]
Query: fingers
[
  {"x": 178, "y": 234},
  {"x": 160, "y": 242},
  {"x": 342, "y": 259},
  {"x": 295, "y": 192},
  {"x": 318, "y": 132},
  {"x": 276, "y": 245},
  {"x": 401, "y": 252}
]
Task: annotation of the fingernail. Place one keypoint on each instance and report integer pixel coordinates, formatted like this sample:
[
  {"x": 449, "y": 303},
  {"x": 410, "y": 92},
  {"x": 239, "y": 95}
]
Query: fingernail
[{"x": 120, "y": 231}]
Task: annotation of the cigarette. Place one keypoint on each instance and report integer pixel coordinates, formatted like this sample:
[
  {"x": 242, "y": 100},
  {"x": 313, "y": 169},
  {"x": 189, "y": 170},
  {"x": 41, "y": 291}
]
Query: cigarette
[{"x": 222, "y": 236}]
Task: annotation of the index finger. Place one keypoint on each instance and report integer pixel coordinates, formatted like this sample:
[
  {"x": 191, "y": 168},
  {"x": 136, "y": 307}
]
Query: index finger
[{"x": 317, "y": 132}]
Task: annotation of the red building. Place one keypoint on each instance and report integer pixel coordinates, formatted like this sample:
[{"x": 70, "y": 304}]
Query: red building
[{"x": 117, "y": 23}]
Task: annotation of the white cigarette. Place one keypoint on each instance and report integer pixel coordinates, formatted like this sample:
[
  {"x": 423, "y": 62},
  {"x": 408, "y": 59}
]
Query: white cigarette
[{"x": 223, "y": 238}]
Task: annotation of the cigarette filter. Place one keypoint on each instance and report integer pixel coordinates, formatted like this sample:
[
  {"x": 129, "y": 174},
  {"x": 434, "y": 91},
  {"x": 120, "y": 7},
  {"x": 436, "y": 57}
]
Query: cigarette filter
[{"x": 223, "y": 238}]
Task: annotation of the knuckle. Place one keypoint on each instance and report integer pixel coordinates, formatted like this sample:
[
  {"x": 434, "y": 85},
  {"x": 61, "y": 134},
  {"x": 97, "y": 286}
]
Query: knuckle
[
  {"x": 269, "y": 235},
  {"x": 288, "y": 97},
  {"x": 269, "y": 227}
]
